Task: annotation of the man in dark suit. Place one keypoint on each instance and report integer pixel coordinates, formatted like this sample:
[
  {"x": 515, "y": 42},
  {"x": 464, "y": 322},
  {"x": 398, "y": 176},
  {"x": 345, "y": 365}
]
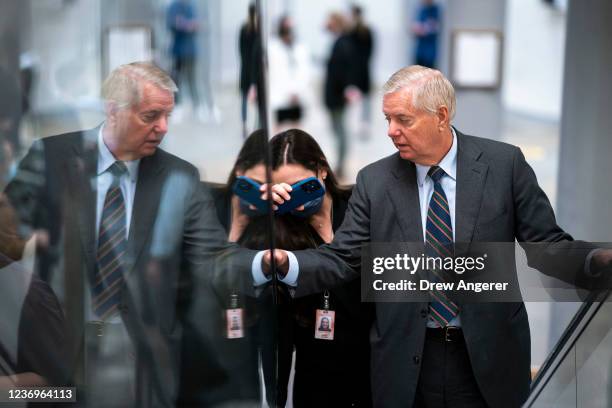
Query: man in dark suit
[
  {"x": 338, "y": 77},
  {"x": 440, "y": 187},
  {"x": 133, "y": 228}
]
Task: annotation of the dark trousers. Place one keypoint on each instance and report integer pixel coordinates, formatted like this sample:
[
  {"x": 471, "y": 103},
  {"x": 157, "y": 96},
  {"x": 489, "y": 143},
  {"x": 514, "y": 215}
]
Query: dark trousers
[
  {"x": 183, "y": 72},
  {"x": 337, "y": 122},
  {"x": 446, "y": 379}
]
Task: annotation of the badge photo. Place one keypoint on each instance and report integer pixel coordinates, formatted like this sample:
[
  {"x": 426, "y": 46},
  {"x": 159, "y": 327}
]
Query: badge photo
[
  {"x": 234, "y": 323},
  {"x": 324, "y": 327}
]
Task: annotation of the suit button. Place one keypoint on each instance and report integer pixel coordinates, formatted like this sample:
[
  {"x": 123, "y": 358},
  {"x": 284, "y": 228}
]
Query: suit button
[
  {"x": 416, "y": 359},
  {"x": 423, "y": 313}
]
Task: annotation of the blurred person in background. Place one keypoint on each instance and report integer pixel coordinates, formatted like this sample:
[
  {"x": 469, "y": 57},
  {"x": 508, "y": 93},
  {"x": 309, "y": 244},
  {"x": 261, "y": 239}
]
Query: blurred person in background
[
  {"x": 425, "y": 29},
  {"x": 339, "y": 76},
  {"x": 209, "y": 112},
  {"x": 183, "y": 23},
  {"x": 28, "y": 75},
  {"x": 290, "y": 76},
  {"x": 249, "y": 64},
  {"x": 363, "y": 45}
]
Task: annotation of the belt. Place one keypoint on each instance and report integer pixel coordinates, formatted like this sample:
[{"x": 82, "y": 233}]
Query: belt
[{"x": 449, "y": 334}]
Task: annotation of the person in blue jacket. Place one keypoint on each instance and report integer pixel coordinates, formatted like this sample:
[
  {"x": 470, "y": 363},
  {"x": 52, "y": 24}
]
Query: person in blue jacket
[
  {"x": 426, "y": 29},
  {"x": 183, "y": 24}
]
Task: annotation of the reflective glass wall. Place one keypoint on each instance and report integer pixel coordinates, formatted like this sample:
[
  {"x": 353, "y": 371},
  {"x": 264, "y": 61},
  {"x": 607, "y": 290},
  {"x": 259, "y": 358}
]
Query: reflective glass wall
[{"x": 126, "y": 257}]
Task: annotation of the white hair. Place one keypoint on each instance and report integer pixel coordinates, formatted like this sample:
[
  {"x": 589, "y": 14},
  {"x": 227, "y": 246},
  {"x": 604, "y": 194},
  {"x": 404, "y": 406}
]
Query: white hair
[
  {"x": 123, "y": 86},
  {"x": 429, "y": 88}
]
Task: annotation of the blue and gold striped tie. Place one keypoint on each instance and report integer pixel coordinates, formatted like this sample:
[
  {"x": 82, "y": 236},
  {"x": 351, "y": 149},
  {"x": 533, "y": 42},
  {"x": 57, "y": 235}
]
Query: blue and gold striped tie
[
  {"x": 112, "y": 246},
  {"x": 439, "y": 243}
]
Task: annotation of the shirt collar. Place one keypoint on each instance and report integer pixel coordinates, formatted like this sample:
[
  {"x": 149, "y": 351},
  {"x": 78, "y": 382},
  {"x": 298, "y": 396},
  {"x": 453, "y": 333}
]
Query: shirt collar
[
  {"x": 448, "y": 163},
  {"x": 106, "y": 158}
]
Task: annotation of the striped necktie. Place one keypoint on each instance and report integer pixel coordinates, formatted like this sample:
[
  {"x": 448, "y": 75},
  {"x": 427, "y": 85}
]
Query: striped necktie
[
  {"x": 439, "y": 243},
  {"x": 112, "y": 245}
]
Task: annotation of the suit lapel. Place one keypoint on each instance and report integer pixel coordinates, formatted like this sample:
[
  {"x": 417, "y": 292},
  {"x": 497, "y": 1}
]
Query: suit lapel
[
  {"x": 144, "y": 210},
  {"x": 404, "y": 195},
  {"x": 81, "y": 175},
  {"x": 471, "y": 176}
]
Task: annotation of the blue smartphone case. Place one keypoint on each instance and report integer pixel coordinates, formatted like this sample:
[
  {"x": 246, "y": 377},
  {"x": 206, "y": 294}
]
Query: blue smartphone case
[
  {"x": 248, "y": 190},
  {"x": 303, "y": 192}
]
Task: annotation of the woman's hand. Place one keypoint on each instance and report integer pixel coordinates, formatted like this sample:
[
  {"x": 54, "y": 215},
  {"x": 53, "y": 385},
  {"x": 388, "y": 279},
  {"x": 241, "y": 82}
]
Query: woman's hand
[{"x": 281, "y": 192}]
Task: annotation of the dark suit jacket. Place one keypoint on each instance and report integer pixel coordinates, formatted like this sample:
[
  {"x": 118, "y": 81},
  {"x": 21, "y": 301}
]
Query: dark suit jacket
[
  {"x": 339, "y": 73},
  {"x": 174, "y": 239},
  {"x": 363, "y": 44},
  {"x": 497, "y": 200}
]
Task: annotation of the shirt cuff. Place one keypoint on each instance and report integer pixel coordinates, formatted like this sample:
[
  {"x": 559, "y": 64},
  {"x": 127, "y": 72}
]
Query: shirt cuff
[
  {"x": 292, "y": 274},
  {"x": 259, "y": 278}
]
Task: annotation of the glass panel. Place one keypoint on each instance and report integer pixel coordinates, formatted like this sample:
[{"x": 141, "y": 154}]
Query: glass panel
[
  {"x": 594, "y": 361},
  {"x": 117, "y": 274},
  {"x": 583, "y": 377},
  {"x": 561, "y": 389}
]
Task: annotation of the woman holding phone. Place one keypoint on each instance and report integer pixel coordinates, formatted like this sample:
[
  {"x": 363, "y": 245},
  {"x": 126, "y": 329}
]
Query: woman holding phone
[
  {"x": 330, "y": 328},
  {"x": 328, "y": 331}
]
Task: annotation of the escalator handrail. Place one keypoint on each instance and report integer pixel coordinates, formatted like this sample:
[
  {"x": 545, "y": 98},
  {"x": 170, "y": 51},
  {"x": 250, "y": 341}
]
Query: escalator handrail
[{"x": 567, "y": 340}]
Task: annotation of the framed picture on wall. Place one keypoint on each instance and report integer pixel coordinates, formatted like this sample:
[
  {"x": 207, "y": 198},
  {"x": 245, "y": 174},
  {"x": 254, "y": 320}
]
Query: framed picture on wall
[
  {"x": 476, "y": 58},
  {"x": 125, "y": 43}
]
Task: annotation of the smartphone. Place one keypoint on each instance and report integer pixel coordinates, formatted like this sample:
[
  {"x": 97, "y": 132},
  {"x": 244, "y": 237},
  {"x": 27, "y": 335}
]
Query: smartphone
[
  {"x": 302, "y": 192},
  {"x": 248, "y": 190}
]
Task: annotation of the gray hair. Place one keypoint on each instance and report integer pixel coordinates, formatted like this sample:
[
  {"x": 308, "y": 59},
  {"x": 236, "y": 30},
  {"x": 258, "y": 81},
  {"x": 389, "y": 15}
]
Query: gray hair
[
  {"x": 123, "y": 86},
  {"x": 429, "y": 88}
]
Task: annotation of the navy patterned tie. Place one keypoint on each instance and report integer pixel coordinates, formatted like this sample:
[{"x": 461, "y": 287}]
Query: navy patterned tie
[
  {"x": 439, "y": 243},
  {"x": 112, "y": 245}
]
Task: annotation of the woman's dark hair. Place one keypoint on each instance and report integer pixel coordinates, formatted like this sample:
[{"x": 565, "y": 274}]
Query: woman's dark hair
[
  {"x": 252, "y": 153},
  {"x": 294, "y": 146},
  {"x": 290, "y": 233}
]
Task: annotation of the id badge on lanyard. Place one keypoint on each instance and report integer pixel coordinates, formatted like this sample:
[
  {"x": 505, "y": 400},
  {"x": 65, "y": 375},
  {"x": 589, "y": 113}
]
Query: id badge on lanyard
[
  {"x": 234, "y": 319},
  {"x": 325, "y": 320}
]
